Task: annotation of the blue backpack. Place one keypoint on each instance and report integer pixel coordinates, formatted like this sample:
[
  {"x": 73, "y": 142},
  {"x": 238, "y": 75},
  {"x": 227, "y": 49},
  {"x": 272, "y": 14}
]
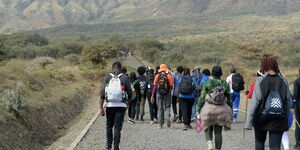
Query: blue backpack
[{"x": 274, "y": 106}]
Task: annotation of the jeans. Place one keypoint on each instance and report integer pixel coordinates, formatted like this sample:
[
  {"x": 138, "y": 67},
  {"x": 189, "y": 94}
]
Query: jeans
[
  {"x": 194, "y": 109},
  {"x": 274, "y": 139},
  {"x": 218, "y": 135},
  {"x": 114, "y": 119},
  {"x": 164, "y": 107},
  {"x": 186, "y": 107},
  {"x": 235, "y": 96},
  {"x": 131, "y": 109},
  {"x": 152, "y": 108}
]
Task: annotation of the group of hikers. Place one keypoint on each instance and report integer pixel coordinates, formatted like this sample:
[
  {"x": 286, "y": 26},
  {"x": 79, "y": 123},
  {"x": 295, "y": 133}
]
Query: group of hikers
[{"x": 201, "y": 95}]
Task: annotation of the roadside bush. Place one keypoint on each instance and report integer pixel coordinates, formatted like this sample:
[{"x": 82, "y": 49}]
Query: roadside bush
[
  {"x": 51, "y": 51},
  {"x": 70, "y": 48},
  {"x": 13, "y": 100},
  {"x": 73, "y": 58},
  {"x": 43, "y": 61},
  {"x": 36, "y": 39}
]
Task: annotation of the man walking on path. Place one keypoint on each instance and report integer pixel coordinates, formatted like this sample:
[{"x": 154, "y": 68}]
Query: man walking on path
[
  {"x": 152, "y": 107},
  {"x": 113, "y": 90},
  {"x": 162, "y": 87},
  {"x": 143, "y": 82},
  {"x": 176, "y": 77},
  {"x": 236, "y": 83},
  {"x": 297, "y": 111}
]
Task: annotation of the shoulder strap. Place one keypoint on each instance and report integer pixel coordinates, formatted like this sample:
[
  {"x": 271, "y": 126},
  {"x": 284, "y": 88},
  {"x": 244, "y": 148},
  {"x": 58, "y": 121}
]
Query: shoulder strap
[
  {"x": 112, "y": 75},
  {"x": 120, "y": 75}
]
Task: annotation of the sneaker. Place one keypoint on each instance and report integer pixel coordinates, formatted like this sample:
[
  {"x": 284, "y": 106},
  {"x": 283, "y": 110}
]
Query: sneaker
[
  {"x": 175, "y": 118},
  {"x": 185, "y": 127},
  {"x": 210, "y": 145},
  {"x": 155, "y": 120},
  {"x": 151, "y": 122},
  {"x": 169, "y": 123},
  {"x": 234, "y": 120}
]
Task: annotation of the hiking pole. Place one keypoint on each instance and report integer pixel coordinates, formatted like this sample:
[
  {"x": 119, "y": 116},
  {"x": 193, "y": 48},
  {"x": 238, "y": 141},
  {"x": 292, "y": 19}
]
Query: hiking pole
[{"x": 244, "y": 130}]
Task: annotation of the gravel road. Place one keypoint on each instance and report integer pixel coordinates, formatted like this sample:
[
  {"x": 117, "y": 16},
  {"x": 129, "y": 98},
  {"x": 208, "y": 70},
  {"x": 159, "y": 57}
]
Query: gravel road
[{"x": 143, "y": 136}]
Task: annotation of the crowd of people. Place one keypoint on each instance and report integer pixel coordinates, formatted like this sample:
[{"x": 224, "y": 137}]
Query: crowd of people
[{"x": 201, "y": 94}]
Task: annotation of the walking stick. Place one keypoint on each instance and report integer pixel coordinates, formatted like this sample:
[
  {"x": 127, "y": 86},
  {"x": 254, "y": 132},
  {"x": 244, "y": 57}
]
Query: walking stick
[{"x": 244, "y": 130}]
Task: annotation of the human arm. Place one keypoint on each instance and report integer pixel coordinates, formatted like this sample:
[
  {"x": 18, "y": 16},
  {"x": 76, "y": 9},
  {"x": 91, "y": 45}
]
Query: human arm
[
  {"x": 227, "y": 93},
  {"x": 102, "y": 95},
  {"x": 201, "y": 100},
  {"x": 170, "y": 79},
  {"x": 249, "y": 95},
  {"x": 128, "y": 87}
]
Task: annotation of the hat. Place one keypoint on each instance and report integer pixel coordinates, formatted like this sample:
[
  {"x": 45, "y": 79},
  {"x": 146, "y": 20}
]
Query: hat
[
  {"x": 163, "y": 68},
  {"x": 196, "y": 68}
]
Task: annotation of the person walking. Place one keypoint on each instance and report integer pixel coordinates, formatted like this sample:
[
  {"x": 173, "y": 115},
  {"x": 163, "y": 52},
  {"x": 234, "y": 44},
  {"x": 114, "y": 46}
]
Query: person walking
[
  {"x": 269, "y": 110},
  {"x": 135, "y": 87},
  {"x": 113, "y": 90},
  {"x": 252, "y": 86},
  {"x": 163, "y": 84},
  {"x": 152, "y": 107},
  {"x": 236, "y": 82},
  {"x": 297, "y": 111},
  {"x": 175, "y": 78},
  {"x": 143, "y": 82},
  {"x": 186, "y": 87},
  {"x": 215, "y": 108}
]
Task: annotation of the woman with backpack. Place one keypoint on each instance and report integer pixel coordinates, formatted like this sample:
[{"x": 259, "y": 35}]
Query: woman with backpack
[
  {"x": 269, "y": 111},
  {"x": 135, "y": 94},
  {"x": 215, "y": 105},
  {"x": 186, "y": 89}
]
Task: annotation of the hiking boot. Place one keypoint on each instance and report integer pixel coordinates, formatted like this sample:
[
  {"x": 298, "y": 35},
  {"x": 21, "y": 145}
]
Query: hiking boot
[
  {"x": 142, "y": 118},
  {"x": 210, "y": 145},
  {"x": 169, "y": 123},
  {"x": 185, "y": 127}
]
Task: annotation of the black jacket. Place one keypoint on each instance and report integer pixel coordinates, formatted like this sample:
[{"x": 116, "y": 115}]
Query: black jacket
[
  {"x": 124, "y": 81},
  {"x": 272, "y": 82},
  {"x": 297, "y": 93}
]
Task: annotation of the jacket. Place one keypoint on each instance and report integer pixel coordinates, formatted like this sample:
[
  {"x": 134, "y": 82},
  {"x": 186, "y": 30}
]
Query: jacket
[
  {"x": 251, "y": 89},
  {"x": 264, "y": 85},
  {"x": 297, "y": 94},
  {"x": 124, "y": 81}
]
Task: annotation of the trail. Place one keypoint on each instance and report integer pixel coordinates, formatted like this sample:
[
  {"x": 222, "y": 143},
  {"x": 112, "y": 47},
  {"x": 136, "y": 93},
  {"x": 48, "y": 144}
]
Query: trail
[{"x": 143, "y": 136}]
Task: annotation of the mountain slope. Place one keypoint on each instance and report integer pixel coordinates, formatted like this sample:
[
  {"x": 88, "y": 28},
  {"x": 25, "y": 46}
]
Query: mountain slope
[{"x": 37, "y": 14}]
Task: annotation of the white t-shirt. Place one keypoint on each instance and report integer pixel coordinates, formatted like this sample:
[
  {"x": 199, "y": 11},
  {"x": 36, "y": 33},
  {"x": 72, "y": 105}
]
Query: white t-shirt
[
  {"x": 229, "y": 81},
  {"x": 116, "y": 104}
]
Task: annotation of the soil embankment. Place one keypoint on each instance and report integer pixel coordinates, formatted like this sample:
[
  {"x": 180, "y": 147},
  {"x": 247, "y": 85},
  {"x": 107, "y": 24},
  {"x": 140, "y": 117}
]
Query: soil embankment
[{"x": 37, "y": 127}]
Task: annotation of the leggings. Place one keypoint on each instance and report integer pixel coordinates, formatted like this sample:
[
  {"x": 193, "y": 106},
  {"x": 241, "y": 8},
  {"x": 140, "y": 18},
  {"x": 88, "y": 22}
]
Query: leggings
[
  {"x": 218, "y": 135},
  {"x": 274, "y": 139}
]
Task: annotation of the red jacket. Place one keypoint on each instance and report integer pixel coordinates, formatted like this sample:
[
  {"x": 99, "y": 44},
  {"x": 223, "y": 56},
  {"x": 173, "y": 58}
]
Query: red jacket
[{"x": 251, "y": 89}]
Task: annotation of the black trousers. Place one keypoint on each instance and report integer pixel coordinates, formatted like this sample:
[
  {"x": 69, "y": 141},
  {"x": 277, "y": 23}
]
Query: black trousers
[
  {"x": 186, "y": 106},
  {"x": 274, "y": 139},
  {"x": 132, "y": 109},
  {"x": 174, "y": 107},
  {"x": 114, "y": 119},
  {"x": 297, "y": 132},
  {"x": 152, "y": 107}
]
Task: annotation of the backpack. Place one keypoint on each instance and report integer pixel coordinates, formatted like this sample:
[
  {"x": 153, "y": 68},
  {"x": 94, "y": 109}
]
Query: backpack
[
  {"x": 134, "y": 92},
  {"x": 150, "y": 82},
  {"x": 143, "y": 86},
  {"x": 217, "y": 97},
  {"x": 163, "y": 86},
  {"x": 238, "y": 82},
  {"x": 186, "y": 85},
  {"x": 273, "y": 107},
  {"x": 114, "y": 91}
]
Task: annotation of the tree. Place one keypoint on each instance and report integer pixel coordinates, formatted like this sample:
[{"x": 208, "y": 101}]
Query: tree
[
  {"x": 99, "y": 52},
  {"x": 151, "y": 43},
  {"x": 36, "y": 39}
]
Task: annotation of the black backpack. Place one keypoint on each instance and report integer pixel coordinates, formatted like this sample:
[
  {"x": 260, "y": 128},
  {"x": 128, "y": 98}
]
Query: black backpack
[
  {"x": 186, "y": 85},
  {"x": 143, "y": 85},
  {"x": 163, "y": 85},
  {"x": 238, "y": 83},
  {"x": 150, "y": 82},
  {"x": 273, "y": 107}
]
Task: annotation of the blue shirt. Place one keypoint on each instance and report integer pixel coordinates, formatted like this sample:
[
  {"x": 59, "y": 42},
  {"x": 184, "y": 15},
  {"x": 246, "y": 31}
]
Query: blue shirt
[
  {"x": 190, "y": 96},
  {"x": 175, "y": 78}
]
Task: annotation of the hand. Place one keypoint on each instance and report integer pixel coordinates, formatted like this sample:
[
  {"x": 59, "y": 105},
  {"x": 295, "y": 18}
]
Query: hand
[
  {"x": 102, "y": 112},
  {"x": 247, "y": 92},
  {"x": 152, "y": 99}
]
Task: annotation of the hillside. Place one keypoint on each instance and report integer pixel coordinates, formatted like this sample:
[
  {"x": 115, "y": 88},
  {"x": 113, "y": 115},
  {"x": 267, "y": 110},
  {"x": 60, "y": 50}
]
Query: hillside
[{"x": 37, "y": 14}]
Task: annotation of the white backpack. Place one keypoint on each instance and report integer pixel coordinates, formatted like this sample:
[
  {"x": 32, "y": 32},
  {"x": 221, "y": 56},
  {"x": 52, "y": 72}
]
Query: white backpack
[{"x": 113, "y": 91}]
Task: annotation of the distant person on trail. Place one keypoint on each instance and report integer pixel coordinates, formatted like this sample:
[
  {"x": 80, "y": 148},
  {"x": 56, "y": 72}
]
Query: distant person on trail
[
  {"x": 143, "y": 82},
  {"x": 152, "y": 107},
  {"x": 163, "y": 85},
  {"x": 250, "y": 93},
  {"x": 124, "y": 71},
  {"x": 207, "y": 73},
  {"x": 297, "y": 111},
  {"x": 200, "y": 79},
  {"x": 214, "y": 108},
  {"x": 186, "y": 87},
  {"x": 177, "y": 75},
  {"x": 135, "y": 87},
  {"x": 237, "y": 84},
  {"x": 270, "y": 104},
  {"x": 113, "y": 90}
]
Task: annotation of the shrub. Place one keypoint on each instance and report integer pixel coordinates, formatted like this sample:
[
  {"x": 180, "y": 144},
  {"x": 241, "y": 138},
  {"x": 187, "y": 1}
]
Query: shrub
[
  {"x": 73, "y": 58},
  {"x": 71, "y": 48},
  {"x": 13, "y": 100},
  {"x": 51, "y": 51},
  {"x": 97, "y": 53},
  {"x": 44, "y": 61},
  {"x": 36, "y": 39}
]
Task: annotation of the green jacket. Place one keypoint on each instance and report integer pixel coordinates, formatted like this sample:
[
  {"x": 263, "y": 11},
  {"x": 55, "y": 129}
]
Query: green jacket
[{"x": 208, "y": 87}]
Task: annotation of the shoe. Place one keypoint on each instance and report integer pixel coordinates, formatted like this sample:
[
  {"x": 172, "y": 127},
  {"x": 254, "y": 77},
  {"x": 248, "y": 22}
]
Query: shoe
[
  {"x": 169, "y": 123},
  {"x": 179, "y": 121},
  {"x": 155, "y": 120},
  {"x": 185, "y": 127},
  {"x": 175, "y": 118},
  {"x": 210, "y": 145},
  {"x": 193, "y": 119},
  {"x": 137, "y": 118},
  {"x": 151, "y": 122},
  {"x": 189, "y": 127},
  {"x": 142, "y": 118},
  {"x": 234, "y": 120}
]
